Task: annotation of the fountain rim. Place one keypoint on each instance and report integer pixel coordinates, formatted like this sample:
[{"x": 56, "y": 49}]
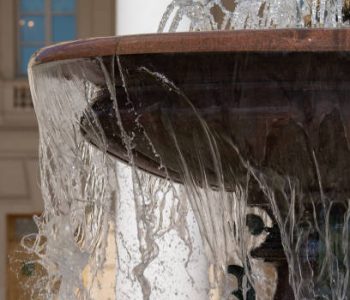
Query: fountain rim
[{"x": 266, "y": 40}]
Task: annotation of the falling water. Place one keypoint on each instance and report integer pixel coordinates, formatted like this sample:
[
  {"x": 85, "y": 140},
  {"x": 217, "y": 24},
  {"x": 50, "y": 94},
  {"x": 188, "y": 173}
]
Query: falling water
[
  {"x": 80, "y": 187},
  {"x": 288, "y": 188}
]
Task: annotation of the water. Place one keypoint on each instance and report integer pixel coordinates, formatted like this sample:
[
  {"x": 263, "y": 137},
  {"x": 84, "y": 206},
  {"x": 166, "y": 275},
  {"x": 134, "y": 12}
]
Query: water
[
  {"x": 278, "y": 147},
  {"x": 264, "y": 167},
  {"x": 204, "y": 15},
  {"x": 80, "y": 186}
]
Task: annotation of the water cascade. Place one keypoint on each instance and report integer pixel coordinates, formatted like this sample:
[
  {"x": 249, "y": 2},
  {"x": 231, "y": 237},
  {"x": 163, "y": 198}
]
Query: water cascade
[{"x": 249, "y": 128}]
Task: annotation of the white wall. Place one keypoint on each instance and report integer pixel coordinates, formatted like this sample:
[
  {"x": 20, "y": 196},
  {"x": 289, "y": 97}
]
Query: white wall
[
  {"x": 142, "y": 16},
  {"x": 139, "y": 16}
]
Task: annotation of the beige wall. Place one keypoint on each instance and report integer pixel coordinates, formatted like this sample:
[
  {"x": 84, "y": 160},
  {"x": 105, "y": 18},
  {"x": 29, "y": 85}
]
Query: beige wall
[
  {"x": 19, "y": 191},
  {"x": 19, "y": 180}
]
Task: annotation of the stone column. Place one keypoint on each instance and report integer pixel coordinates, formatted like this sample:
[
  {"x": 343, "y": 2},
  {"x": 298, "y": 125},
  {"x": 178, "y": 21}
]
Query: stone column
[{"x": 167, "y": 273}]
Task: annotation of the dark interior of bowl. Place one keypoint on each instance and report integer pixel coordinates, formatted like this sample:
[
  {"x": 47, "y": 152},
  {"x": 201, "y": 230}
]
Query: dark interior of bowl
[
  {"x": 276, "y": 99},
  {"x": 277, "y": 110}
]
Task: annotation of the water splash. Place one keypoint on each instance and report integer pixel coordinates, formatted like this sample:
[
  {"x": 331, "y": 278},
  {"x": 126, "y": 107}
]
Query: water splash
[{"x": 207, "y": 15}]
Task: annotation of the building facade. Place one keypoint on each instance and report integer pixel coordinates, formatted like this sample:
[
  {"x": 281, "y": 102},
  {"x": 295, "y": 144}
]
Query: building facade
[{"x": 19, "y": 173}]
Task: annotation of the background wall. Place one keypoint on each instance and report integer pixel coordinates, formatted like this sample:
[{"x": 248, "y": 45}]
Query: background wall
[
  {"x": 139, "y": 16},
  {"x": 19, "y": 174}
]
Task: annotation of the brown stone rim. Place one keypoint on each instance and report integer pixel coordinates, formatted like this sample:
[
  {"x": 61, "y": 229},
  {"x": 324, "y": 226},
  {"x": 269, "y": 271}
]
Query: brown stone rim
[{"x": 289, "y": 40}]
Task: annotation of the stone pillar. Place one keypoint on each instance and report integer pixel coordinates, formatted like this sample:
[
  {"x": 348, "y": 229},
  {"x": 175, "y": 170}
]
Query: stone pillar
[{"x": 167, "y": 273}]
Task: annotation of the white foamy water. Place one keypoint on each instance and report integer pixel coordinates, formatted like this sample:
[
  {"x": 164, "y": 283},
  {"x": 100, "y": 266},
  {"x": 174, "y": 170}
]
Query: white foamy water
[{"x": 206, "y": 15}]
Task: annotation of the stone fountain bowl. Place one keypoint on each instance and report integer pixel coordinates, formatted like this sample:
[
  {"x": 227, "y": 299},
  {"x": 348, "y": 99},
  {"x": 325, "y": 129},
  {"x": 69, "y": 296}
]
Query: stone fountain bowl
[
  {"x": 213, "y": 108},
  {"x": 276, "y": 100}
]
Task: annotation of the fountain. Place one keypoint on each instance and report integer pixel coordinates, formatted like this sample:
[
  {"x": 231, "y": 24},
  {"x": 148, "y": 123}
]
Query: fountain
[{"x": 250, "y": 126}]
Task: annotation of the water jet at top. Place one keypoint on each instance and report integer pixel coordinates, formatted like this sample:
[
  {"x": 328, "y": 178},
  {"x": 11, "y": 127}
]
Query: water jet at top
[{"x": 249, "y": 126}]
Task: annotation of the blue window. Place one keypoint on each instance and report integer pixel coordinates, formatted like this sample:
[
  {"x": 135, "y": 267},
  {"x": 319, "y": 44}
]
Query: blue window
[
  {"x": 32, "y": 6},
  {"x": 63, "y": 6},
  {"x": 41, "y": 23},
  {"x": 33, "y": 29},
  {"x": 63, "y": 28}
]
